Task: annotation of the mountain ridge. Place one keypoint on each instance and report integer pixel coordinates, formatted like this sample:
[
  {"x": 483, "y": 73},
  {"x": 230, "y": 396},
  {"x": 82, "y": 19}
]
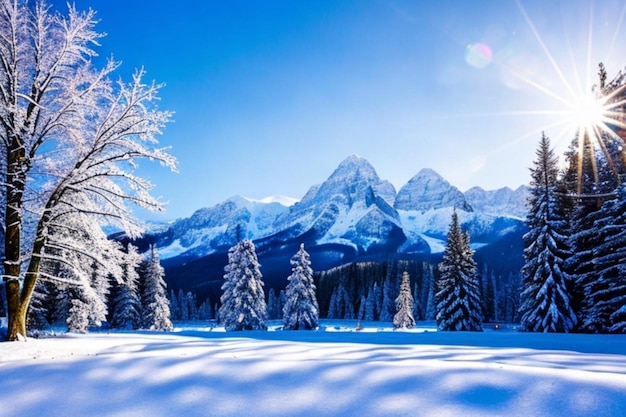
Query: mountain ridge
[{"x": 353, "y": 216}]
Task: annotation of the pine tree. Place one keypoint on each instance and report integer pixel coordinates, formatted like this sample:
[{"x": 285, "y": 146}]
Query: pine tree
[
  {"x": 458, "y": 297},
  {"x": 274, "y": 309},
  {"x": 370, "y": 303},
  {"x": 388, "y": 304},
  {"x": 545, "y": 301},
  {"x": 155, "y": 312},
  {"x": 175, "y": 313},
  {"x": 362, "y": 306},
  {"x": 301, "y": 312},
  {"x": 126, "y": 304},
  {"x": 403, "y": 319},
  {"x": 243, "y": 299},
  {"x": 607, "y": 294}
]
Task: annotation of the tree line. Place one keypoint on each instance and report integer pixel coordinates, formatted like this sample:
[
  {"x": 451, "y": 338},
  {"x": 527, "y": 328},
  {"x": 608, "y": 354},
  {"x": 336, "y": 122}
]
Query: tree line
[
  {"x": 138, "y": 301},
  {"x": 574, "y": 278}
]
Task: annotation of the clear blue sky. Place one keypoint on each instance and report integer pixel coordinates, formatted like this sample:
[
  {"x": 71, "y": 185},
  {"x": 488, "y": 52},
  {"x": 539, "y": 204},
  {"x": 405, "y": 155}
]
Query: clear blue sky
[{"x": 270, "y": 96}]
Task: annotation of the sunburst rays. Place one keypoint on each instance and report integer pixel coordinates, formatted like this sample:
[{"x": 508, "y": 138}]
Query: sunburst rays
[{"x": 593, "y": 114}]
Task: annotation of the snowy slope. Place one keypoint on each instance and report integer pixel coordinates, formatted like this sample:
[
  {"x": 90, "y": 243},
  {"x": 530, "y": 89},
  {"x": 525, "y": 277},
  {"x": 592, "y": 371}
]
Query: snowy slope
[
  {"x": 213, "y": 229},
  {"x": 371, "y": 373},
  {"x": 502, "y": 202},
  {"x": 429, "y": 191}
]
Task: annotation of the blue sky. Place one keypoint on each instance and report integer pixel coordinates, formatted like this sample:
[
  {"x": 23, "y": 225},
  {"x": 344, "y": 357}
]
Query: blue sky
[{"x": 270, "y": 96}]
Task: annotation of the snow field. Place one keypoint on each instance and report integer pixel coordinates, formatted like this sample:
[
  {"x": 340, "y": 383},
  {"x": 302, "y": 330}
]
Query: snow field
[{"x": 209, "y": 372}]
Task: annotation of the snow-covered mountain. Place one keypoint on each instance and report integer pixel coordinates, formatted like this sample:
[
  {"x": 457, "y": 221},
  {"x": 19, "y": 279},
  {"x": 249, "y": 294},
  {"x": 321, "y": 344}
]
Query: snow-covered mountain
[
  {"x": 353, "y": 208},
  {"x": 353, "y": 215},
  {"x": 219, "y": 227},
  {"x": 502, "y": 202},
  {"x": 429, "y": 191}
]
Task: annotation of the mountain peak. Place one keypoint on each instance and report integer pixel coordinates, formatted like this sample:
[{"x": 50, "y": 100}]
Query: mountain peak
[
  {"x": 428, "y": 190},
  {"x": 354, "y": 166}
]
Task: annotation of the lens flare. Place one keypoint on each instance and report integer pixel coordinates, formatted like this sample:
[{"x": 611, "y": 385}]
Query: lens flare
[
  {"x": 478, "y": 55},
  {"x": 595, "y": 114}
]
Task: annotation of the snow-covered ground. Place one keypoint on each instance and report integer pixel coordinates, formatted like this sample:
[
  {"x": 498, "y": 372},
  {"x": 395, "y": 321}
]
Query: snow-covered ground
[{"x": 203, "y": 371}]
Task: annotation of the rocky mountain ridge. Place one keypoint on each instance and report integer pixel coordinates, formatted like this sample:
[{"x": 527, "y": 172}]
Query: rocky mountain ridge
[{"x": 353, "y": 207}]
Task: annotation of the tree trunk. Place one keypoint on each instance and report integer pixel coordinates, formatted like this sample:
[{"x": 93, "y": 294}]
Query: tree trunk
[
  {"x": 16, "y": 181},
  {"x": 17, "y": 314}
]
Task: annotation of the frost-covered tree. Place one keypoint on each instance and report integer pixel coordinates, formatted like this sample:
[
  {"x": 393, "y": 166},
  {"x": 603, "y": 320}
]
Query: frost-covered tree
[
  {"x": 606, "y": 295},
  {"x": 274, "y": 307},
  {"x": 545, "y": 301},
  {"x": 243, "y": 299},
  {"x": 126, "y": 312},
  {"x": 205, "y": 311},
  {"x": 371, "y": 307},
  {"x": 403, "y": 319},
  {"x": 388, "y": 304},
  {"x": 155, "y": 311},
  {"x": 301, "y": 312},
  {"x": 458, "y": 297},
  {"x": 69, "y": 141}
]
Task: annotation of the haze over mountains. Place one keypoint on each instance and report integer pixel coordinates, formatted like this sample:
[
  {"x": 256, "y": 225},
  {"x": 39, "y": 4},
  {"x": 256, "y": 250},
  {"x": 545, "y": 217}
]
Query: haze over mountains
[{"x": 353, "y": 215}]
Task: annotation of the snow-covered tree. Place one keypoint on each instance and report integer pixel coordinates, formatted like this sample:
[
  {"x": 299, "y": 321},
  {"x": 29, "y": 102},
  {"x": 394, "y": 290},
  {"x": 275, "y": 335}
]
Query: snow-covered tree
[
  {"x": 606, "y": 295},
  {"x": 243, "y": 299},
  {"x": 403, "y": 319},
  {"x": 205, "y": 311},
  {"x": 126, "y": 312},
  {"x": 274, "y": 307},
  {"x": 388, "y": 304},
  {"x": 458, "y": 298},
  {"x": 545, "y": 301},
  {"x": 69, "y": 141},
  {"x": 155, "y": 311},
  {"x": 301, "y": 312},
  {"x": 371, "y": 307}
]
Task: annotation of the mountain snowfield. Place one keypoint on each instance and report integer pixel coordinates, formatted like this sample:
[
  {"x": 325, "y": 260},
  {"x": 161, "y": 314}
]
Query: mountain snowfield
[
  {"x": 353, "y": 207},
  {"x": 200, "y": 370}
]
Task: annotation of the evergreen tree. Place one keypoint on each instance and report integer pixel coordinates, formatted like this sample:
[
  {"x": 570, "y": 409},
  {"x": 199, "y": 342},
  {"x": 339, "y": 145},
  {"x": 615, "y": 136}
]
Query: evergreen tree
[
  {"x": 155, "y": 312},
  {"x": 370, "y": 303},
  {"x": 301, "y": 312},
  {"x": 403, "y": 319},
  {"x": 126, "y": 303},
  {"x": 607, "y": 293},
  {"x": 431, "y": 304},
  {"x": 362, "y": 306},
  {"x": 458, "y": 297},
  {"x": 388, "y": 305},
  {"x": 243, "y": 299},
  {"x": 88, "y": 302},
  {"x": 274, "y": 308},
  {"x": 332, "y": 305},
  {"x": 175, "y": 313},
  {"x": 545, "y": 301}
]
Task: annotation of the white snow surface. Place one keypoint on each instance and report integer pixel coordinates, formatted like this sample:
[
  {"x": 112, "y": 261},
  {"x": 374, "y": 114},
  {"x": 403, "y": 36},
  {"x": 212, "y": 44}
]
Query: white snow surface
[
  {"x": 280, "y": 199},
  {"x": 201, "y": 370}
]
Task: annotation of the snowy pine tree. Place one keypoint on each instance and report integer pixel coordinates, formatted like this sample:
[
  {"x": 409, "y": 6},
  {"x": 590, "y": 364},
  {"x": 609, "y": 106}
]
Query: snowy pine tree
[
  {"x": 243, "y": 299},
  {"x": 155, "y": 311},
  {"x": 370, "y": 303},
  {"x": 545, "y": 301},
  {"x": 606, "y": 295},
  {"x": 301, "y": 312},
  {"x": 274, "y": 307},
  {"x": 126, "y": 303},
  {"x": 458, "y": 297},
  {"x": 388, "y": 304},
  {"x": 403, "y": 319}
]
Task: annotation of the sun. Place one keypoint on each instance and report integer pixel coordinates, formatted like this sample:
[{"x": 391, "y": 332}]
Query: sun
[{"x": 588, "y": 113}]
